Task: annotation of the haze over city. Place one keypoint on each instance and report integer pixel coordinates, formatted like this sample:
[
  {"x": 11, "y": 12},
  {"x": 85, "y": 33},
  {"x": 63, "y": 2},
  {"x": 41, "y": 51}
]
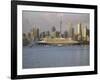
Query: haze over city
[{"x": 46, "y": 20}]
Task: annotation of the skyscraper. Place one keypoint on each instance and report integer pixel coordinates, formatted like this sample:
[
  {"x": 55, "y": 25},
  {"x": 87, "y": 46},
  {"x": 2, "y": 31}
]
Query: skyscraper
[
  {"x": 79, "y": 31},
  {"x": 71, "y": 31},
  {"x": 84, "y": 31},
  {"x": 60, "y": 27}
]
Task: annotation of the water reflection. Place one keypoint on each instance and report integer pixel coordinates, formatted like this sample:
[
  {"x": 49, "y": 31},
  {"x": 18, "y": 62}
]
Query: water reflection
[{"x": 55, "y": 56}]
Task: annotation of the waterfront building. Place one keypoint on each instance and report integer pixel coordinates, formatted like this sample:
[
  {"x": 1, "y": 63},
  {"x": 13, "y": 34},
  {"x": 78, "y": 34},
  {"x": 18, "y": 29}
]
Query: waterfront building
[
  {"x": 53, "y": 29},
  {"x": 35, "y": 33},
  {"x": 84, "y": 31},
  {"x": 65, "y": 34},
  {"x": 25, "y": 39},
  {"x": 47, "y": 33},
  {"x": 53, "y": 33},
  {"x": 57, "y": 34},
  {"x": 79, "y": 32},
  {"x": 71, "y": 31},
  {"x": 60, "y": 26},
  {"x": 43, "y": 35},
  {"x": 73, "y": 34},
  {"x": 29, "y": 36}
]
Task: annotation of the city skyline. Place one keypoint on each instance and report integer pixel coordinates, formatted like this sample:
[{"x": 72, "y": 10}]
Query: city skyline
[{"x": 46, "y": 20}]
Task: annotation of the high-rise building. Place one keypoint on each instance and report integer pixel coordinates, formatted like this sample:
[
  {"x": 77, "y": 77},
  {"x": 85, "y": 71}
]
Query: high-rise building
[
  {"x": 65, "y": 34},
  {"x": 71, "y": 31},
  {"x": 79, "y": 31},
  {"x": 78, "y": 28},
  {"x": 35, "y": 33},
  {"x": 84, "y": 31},
  {"x": 53, "y": 29},
  {"x": 73, "y": 34},
  {"x": 60, "y": 27}
]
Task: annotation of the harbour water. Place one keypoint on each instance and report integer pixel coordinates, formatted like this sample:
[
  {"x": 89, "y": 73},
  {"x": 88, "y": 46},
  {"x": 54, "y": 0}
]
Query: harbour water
[{"x": 55, "y": 56}]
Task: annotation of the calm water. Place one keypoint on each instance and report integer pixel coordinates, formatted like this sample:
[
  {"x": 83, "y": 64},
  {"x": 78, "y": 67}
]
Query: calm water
[{"x": 53, "y": 56}]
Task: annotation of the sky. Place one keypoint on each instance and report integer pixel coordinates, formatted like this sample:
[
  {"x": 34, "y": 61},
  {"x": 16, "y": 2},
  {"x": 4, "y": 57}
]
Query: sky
[{"x": 46, "y": 20}]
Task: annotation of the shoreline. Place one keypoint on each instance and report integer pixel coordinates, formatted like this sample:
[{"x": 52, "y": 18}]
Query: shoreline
[{"x": 56, "y": 44}]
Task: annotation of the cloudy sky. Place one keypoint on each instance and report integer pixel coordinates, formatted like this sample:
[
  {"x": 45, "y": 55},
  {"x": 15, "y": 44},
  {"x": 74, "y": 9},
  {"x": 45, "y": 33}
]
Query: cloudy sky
[{"x": 45, "y": 20}]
